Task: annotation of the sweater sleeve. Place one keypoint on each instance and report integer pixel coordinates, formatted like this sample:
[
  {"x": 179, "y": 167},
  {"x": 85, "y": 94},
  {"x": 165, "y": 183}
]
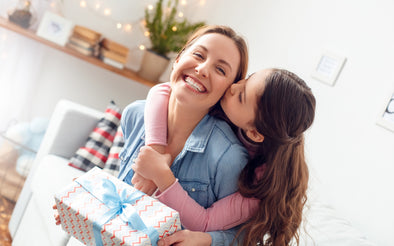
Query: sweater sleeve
[
  {"x": 156, "y": 109},
  {"x": 222, "y": 215}
]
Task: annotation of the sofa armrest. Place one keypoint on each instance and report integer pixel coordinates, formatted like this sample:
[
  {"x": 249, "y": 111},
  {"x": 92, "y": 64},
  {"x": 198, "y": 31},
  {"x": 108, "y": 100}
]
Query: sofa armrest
[
  {"x": 68, "y": 129},
  {"x": 70, "y": 126}
]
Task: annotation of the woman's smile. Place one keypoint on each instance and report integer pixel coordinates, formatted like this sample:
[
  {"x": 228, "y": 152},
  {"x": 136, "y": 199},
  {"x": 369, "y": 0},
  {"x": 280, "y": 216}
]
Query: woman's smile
[{"x": 194, "y": 84}]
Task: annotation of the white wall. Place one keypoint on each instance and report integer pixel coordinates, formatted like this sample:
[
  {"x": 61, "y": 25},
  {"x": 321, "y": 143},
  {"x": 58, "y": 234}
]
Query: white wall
[
  {"x": 351, "y": 158},
  {"x": 67, "y": 77}
]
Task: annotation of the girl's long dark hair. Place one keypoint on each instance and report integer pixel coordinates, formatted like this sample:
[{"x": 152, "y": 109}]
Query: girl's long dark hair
[{"x": 286, "y": 109}]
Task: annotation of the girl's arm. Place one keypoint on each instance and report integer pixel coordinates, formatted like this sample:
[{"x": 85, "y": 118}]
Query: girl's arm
[
  {"x": 155, "y": 117},
  {"x": 222, "y": 215}
]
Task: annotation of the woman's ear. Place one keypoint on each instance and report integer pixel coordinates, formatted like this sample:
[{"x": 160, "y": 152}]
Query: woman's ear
[
  {"x": 175, "y": 62},
  {"x": 254, "y": 135}
]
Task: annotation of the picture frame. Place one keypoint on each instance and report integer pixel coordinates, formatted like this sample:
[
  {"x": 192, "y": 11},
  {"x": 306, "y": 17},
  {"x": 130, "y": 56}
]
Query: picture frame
[
  {"x": 386, "y": 117},
  {"x": 55, "y": 28},
  {"x": 328, "y": 67}
]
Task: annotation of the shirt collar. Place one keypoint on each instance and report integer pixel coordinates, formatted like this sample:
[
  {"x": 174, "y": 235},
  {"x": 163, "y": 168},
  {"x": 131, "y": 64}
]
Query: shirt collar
[{"x": 198, "y": 140}]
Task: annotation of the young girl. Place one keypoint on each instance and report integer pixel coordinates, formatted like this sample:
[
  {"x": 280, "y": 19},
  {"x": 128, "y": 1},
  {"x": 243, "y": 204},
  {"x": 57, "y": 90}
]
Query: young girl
[{"x": 272, "y": 109}]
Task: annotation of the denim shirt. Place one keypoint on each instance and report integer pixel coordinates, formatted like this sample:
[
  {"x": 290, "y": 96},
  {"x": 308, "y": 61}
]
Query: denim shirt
[{"x": 207, "y": 168}]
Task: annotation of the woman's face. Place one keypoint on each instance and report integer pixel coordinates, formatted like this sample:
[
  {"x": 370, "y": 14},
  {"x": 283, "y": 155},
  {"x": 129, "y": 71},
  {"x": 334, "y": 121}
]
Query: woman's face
[
  {"x": 204, "y": 71},
  {"x": 239, "y": 102}
]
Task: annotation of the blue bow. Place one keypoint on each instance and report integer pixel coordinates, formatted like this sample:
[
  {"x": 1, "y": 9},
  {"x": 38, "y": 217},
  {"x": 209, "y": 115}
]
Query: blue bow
[{"x": 117, "y": 205}]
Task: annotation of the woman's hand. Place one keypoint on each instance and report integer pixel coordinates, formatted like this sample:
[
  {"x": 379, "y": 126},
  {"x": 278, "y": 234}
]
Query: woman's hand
[
  {"x": 186, "y": 238},
  {"x": 56, "y": 215},
  {"x": 154, "y": 166}
]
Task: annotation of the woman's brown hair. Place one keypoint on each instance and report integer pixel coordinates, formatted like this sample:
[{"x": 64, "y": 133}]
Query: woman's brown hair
[
  {"x": 285, "y": 110},
  {"x": 230, "y": 33}
]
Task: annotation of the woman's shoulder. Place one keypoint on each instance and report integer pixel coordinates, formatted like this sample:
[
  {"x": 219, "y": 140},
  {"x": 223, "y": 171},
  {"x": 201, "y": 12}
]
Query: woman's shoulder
[
  {"x": 134, "y": 108},
  {"x": 133, "y": 113},
  {"x": 136, "y": 105},
  {"x": 222, "y": 138},
  {"x": 222, "y": 130}
]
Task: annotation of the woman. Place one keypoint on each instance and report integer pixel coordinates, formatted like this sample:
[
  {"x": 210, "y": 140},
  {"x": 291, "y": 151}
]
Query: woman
[{"x": 206, "y": 156}]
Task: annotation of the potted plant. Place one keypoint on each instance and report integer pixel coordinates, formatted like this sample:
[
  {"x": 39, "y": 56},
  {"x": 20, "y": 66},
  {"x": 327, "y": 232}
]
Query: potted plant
[{"x": 167, "y": 34}]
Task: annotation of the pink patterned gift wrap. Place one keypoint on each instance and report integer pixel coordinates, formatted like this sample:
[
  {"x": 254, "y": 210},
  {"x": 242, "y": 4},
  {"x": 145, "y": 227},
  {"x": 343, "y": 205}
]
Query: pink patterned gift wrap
[{"x": 99, "y": 209}]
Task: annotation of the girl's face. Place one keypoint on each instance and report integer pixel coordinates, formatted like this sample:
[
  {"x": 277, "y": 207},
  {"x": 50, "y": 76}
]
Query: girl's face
[
  {"x": 204, "y": 71},
  {"x": 239, "y": 102}
]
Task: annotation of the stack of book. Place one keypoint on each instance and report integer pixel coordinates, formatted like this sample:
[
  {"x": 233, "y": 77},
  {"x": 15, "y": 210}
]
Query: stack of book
[
  {"x": 113, "y": 53},
  {"x": 85, "y": 41}
]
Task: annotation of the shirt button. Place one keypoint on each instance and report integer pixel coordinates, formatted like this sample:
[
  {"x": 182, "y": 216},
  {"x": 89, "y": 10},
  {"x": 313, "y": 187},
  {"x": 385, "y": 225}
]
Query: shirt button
[{"x": 193, "y": 189}]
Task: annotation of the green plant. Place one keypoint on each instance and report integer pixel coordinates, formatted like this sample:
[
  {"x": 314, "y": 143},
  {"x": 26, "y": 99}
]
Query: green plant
[{"x": 166, "y": 33}]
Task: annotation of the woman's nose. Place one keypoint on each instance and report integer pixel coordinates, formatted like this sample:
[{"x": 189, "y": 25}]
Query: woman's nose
[{"x": 201, "y": 70}]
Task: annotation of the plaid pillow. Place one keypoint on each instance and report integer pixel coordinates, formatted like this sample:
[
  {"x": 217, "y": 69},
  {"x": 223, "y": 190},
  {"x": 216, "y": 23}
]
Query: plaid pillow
[
  {"x": 96, "y": 149},
  {"x": 113, "y": 162}
]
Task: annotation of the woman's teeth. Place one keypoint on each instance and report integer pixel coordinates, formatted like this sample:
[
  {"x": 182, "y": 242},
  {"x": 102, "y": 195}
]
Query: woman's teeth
[{"x": 195, "y": 85}]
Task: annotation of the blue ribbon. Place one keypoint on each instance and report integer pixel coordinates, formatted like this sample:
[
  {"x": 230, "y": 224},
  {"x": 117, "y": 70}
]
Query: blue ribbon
[{"x": 117, "y": 205}]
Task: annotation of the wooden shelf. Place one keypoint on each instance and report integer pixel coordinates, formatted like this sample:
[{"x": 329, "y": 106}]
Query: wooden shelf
[{"x": 130, "y": 74}]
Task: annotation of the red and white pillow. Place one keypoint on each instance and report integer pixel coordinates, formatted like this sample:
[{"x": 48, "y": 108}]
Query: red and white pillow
[
  {"x": 113, "y": 162},
  {"x": 97, "y": 147}
]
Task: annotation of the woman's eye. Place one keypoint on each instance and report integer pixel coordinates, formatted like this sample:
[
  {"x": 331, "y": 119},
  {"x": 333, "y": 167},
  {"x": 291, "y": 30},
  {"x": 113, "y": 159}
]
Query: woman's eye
[
  {"x": 221, "y": 70},
  {"x": 199, "y": 55}
]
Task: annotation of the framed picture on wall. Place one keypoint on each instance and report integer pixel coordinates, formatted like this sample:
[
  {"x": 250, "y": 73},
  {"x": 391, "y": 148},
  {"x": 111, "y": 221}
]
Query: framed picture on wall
[
  {"x": 55, "y": 28},
  {"x": 328, "y": 67},
  {"x": 386, "y": 118}
]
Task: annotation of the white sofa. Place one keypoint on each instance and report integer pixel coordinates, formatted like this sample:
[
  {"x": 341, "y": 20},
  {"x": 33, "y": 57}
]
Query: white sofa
[{"x": 32, "y": 221}]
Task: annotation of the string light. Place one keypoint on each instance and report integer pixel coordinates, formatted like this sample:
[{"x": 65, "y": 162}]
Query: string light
[
  {"x": 128, "y": 27},
  {"x": 99, "y": 8},
  {"x": 107, "y": 12},
  {"x": 82, "y": 4},
  {"x": 125, "y": 26}
]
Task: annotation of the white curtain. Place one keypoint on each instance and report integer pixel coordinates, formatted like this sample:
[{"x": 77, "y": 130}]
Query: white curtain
[
  {"x": 20, "y": 67},
  {"x": 20, "y": 64}
]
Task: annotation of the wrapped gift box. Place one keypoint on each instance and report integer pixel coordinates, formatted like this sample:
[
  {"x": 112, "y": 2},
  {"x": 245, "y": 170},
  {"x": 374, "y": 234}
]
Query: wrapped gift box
[{"x": 99, "y": 209}]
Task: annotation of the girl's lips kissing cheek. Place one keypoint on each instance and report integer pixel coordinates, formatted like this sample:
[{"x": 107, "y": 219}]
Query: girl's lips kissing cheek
[{"x": 194, "y": 85}]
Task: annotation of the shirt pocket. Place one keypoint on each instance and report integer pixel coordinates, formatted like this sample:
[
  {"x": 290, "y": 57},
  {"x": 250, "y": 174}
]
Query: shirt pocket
[{"x": 196, "y": 190}]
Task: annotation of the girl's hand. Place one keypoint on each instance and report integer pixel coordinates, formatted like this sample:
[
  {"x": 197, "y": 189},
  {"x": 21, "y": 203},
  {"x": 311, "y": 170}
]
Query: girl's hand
[
  {"x": 151, "y": 164},
  {"x": 145, "y": 185},
  {"x": 186, "y": 238},
  {"x": 154, "y": 166}
]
